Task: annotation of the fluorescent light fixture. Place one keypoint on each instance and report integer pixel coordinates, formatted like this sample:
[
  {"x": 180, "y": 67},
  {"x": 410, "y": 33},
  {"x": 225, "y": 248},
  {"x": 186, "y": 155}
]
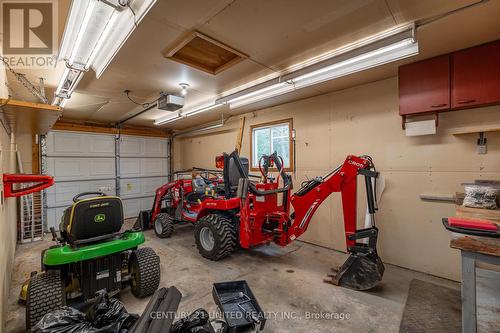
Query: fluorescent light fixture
[
  {"x": 68, "y": 82},
  {"x": 378, "y": 57},
  {"x": 94, "y": 33},
  {"x": 178, "y": 115},
  {"x": 374, "y": 51},
  {"x": 200, "y": 110},
  {"x": 64, "y": 102},
  {"x": 262, "y": 94},
  {"x": 169, "y": 119},
  {"x": 119, "y": 32}
]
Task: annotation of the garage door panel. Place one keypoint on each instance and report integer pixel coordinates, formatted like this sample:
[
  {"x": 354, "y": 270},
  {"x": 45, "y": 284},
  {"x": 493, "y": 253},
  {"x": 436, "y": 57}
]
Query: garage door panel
[
  {"x": 63, "y": 193},
  {"x": 79, "y": 144},
  {"x": 153, "y": 167},
  {"x": 155, "y": 147},
  {"x": 132, "y": 207},
  {"x": 140, "y": 187},
  {"x": 133, "y": 146},
  {"x": 130, "y": 146},
  {"x": 78, "y": 168},
  {"x": 54, "y": 217},
  {"x": 143, "y": 167},
  {"x": 86, "y": 162}
]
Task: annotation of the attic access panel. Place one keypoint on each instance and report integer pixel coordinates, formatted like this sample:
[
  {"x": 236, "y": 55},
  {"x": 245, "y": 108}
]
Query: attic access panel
[{"x": 204, "y": 53}]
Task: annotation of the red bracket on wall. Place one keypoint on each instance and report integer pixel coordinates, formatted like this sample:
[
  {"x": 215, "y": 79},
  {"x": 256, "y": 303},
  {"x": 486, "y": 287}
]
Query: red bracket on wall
[{"x": 9, "y": 180}]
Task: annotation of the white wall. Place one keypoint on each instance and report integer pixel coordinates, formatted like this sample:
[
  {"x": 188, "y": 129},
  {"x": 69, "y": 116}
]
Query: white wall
[{"x": 8, "y": 224}]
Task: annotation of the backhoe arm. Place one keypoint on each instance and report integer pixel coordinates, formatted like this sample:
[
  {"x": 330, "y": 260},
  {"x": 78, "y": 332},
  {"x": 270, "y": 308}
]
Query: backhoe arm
[{"x": 342, "y": 179}]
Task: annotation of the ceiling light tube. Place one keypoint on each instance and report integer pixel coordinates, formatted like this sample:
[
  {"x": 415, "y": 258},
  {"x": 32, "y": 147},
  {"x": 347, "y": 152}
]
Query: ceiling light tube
[
  {"x": 199, "y": 110},
  {"x": 260, "y": 95},
  {"x": 81, "y": 33},
  {"x": 95, "y": 30},
  {"x": 166, "y": 120},
  {"x": 373, "y": 51},
  {"x": 121, "y": 30},
  {"x": 102, "y": 39},
  {"x": 384, "y": 55}
]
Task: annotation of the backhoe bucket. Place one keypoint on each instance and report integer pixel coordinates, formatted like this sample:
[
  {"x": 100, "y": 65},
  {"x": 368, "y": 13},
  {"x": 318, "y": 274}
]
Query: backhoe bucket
[{"x": 359, "y": 272}]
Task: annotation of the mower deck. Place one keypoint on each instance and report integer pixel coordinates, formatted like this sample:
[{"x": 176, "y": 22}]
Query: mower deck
[{"x": 67, "y": 254}]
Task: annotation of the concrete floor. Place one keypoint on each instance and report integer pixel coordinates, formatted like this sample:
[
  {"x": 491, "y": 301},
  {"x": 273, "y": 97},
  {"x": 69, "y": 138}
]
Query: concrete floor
[{"x": 288, "y": 283}]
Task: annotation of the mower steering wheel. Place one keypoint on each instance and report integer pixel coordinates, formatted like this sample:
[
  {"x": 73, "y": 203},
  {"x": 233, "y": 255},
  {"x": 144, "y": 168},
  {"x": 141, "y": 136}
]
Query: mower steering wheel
[{"x": 77, "y": 197}]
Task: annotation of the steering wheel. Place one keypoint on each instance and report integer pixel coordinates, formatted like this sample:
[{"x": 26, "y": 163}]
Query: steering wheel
[
  {"x": 77, "y": 197},
  {"x": 207, "y": 180},
  {"x": 265, "y": 171}
]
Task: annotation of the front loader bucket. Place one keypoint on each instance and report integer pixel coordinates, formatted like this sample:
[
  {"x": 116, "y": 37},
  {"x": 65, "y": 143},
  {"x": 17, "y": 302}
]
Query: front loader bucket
[{"x": 359, "y": 272}]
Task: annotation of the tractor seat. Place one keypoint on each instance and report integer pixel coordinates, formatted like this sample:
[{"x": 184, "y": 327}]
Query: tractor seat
[
  {"x": 233, "y": 174},
  {"x": 92, "y": 220}
]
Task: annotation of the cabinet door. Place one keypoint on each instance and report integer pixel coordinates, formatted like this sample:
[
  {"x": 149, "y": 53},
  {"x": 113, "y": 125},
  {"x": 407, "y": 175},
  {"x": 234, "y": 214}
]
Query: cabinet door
[
  {"x": 476, "y": 76},
  {"x": 424, "y": 86}
]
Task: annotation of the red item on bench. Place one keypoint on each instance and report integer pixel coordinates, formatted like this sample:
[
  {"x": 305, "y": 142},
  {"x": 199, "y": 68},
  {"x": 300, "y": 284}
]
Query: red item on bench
[{"x": 474, "y": 224}]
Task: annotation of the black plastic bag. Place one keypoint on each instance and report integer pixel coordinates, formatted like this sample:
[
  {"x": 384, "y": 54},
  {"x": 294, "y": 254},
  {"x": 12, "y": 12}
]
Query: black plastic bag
[
  {"x": 104, "y": 316},
  {"x": 195, "y": 322},
  {"x": 110, "y": 315}
]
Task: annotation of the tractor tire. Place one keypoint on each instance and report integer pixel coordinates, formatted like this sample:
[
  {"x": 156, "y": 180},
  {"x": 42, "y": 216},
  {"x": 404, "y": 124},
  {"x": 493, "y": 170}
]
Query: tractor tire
[
  {"x": 164, "y": 225},
  {"x": 144, "y": 268},
  {"x": 45, "y": 294},
  {"x": 215, "y": 236}
]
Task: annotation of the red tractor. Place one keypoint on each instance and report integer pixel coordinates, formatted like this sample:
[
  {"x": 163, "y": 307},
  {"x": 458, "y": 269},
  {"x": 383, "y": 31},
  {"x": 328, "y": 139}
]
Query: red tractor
[{"x": 228, "y": 209}]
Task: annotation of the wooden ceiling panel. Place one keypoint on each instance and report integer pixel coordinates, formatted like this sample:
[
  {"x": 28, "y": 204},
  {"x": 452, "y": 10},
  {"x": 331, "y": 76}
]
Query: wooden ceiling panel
[{"x": 204, "y": 53}]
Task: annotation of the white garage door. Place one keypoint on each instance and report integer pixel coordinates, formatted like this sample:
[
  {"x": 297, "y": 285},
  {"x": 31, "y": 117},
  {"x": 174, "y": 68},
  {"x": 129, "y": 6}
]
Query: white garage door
[
  {"x": 143, "y": 167},
  {"x": 83, "y": 162}
]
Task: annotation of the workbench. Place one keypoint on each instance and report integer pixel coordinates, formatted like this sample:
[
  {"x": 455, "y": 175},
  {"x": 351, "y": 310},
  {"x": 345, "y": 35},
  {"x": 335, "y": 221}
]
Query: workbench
[{"x": 475, "y": 250}]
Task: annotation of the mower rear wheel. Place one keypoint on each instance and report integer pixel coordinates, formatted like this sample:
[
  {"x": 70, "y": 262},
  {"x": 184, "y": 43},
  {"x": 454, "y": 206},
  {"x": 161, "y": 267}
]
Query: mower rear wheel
[
  {"x": 215, "y": 236},
  {"x": 144, "y": 268},
  {"x": 45, "y": 294},
  {"x": 164, "y": 225}
]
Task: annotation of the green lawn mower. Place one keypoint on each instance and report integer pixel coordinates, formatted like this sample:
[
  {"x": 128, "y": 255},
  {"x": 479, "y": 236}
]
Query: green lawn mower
[{"x": 91, "y": 254}]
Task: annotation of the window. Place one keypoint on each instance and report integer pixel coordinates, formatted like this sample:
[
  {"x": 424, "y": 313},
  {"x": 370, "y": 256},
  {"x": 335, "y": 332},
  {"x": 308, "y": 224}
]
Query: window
[{"x": 272, "y": 137}]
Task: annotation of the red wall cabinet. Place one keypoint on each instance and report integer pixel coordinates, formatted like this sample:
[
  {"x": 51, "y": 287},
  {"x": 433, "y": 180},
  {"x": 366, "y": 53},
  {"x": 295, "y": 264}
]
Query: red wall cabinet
[
  {"x": 476, "y": 76},
  {"x": 425, "y": 86},
  {"x": 464, "y": 79}
]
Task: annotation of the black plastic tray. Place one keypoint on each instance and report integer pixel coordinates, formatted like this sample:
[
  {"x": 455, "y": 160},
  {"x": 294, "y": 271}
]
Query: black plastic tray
[{"x": 227, "y": 297}]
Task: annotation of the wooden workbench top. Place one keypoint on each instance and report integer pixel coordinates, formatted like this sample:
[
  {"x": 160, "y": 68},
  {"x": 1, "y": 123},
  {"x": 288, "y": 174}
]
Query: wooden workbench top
[{"x": 484, "y": 245}]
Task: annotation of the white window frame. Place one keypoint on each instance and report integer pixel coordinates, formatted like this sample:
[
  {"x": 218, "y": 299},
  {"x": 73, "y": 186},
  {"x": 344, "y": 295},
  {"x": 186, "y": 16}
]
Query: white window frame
[{"x": 254, "y": 164}]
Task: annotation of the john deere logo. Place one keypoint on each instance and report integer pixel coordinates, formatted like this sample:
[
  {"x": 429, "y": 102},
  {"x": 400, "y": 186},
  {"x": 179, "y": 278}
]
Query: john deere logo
[{"x": 99, "y": 218}]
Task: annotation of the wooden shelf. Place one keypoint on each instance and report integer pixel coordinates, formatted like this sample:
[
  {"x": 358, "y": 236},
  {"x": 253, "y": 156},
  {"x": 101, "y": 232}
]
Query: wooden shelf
[
  {"x": 478, "y": 213},
  {"x": 474, "y": 130},
  {"x": 28, "y": 117}
]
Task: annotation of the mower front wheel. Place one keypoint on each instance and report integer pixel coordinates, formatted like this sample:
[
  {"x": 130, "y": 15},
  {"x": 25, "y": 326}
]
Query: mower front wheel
[
  {"x": 215, "y": 236},
  {"x": 144, "y": 268},
  {"x": 164, "y": 225},
  {"x": 45, "y": 294}
]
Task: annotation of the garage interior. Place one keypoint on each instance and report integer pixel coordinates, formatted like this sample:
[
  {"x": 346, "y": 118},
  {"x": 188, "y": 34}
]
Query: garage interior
[{"x": 141, "y": 104}]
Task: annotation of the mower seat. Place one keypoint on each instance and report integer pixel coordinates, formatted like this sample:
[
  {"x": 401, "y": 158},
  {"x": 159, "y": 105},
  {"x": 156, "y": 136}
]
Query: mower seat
[{"x": 91, "y": 220}]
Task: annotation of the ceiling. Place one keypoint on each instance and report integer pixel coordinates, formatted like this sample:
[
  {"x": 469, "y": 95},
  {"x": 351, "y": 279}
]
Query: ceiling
[{"x": 275, "y": 35}]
